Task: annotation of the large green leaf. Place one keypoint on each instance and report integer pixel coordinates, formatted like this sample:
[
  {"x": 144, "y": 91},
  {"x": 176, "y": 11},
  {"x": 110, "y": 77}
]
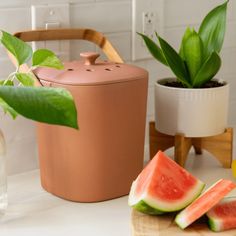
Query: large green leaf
[
  {"x": 48, "y": 105},
  {"x": 212, "y": 30},
  {"x": 46, "y": 58},
  {"x": 154, "y": 49},
  {"x": 188, "y": 32},
  {"x": 175, "y": 62},
  {"x": 25, "y": 79},
  {"x": 19, "y": 49},
  {"x": 7, "y": 109},
  {"x": 193, "y": 50},
  {"x": 208, "y": 70}
]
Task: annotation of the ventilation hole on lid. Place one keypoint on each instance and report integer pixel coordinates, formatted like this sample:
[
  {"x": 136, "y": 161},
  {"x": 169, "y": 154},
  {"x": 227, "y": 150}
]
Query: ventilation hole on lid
[
  {"x": 118, "y": 66},
  {"x": 70, "y": 69},
  {"x": 108, "y": 69},
  {"x": 89, "y": 70}
]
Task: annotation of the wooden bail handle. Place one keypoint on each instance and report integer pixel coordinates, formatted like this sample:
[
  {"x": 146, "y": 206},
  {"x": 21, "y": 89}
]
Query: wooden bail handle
[{"x": 69, "y": 34}]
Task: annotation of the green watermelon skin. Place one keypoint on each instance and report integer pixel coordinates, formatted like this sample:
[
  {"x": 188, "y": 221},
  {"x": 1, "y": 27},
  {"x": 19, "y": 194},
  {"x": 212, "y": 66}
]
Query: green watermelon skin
[
  {"x": 204, "y": 203},
  {"x": 176, "y": 187},
  {"x": 143, "y": 207},
  {"x": 213, "y": 225},
  {"x": 223, "y": 215}
]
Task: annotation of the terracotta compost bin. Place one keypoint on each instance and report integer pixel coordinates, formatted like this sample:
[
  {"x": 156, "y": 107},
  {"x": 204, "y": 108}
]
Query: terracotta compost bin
[{"x": 101, "y": 159}]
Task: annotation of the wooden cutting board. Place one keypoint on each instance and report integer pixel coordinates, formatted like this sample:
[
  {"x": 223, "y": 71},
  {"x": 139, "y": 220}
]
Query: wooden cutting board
[{"x": 145, "y": 225}]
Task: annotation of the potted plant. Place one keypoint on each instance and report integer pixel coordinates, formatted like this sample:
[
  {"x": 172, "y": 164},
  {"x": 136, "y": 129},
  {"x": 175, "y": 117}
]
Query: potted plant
[
  {"x": 18, "y": 95},
  {"x": 194, "y": 103}
]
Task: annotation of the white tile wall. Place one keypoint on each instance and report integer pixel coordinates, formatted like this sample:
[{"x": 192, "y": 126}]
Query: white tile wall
[
  {"x": 15, "y": 19},
  {"x": 182, "y": 12},
  {"x": 15, "y": 15},
  {"x": 97, "y": 17}
]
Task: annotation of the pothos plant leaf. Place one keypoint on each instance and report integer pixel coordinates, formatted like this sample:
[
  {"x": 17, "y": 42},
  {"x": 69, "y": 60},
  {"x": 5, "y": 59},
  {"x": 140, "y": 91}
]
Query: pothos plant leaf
[
  {"x": 19, "y": 49},
  {"x": 208, "y": 70},
  {"x": 154, "y": 49},
  {"x": 48, "y": 105},
  {"x": 6, "y": 82},
  {"x": 25, "y": 79},
  {"x": 46, "y": 58},
  {"x": 212, "y": 30},
  {"x": 175, "y": 62},
  {"x": 7, "y": 109},
  {"x": 193, "y": 54}
]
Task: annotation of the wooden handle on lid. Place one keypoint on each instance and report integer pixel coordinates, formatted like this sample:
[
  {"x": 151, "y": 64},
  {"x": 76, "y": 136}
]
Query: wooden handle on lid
[{"x": 90, "y": 57}]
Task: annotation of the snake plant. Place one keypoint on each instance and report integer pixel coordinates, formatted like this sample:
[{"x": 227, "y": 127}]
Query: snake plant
[{"x": 198, "y": 60}]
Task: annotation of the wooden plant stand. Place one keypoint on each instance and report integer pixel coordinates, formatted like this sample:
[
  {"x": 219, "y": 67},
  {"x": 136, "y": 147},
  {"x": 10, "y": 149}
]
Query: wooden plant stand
[{"x": 221, "y": 146}]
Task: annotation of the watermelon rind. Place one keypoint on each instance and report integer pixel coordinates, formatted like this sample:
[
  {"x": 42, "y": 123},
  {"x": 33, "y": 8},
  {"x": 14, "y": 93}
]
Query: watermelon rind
[
  {"x": 143, "y": 207},
  {"x": 182, "y": 219},
  {"x": 214, "y": 224},
  {"x": 150, "y": 205}
]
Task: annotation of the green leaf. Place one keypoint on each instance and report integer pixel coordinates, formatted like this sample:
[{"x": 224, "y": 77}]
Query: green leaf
[
  {"x": 187, "y": 34},
  {"x": 48, "y": 105},
  {"x": 25, "y": 79},
  {"x": 175, "y": 62},
  {"x": 46, "y": 58},
  {"x": 208, "y": 70},
  {"x": 19, "y": 49},
  {"x": 7, "y": 109},
  {"x": 154, "y": 49},
  {"x": 6, "y": 82},
  {"x": 212, "y": 29},
  {"x": 193, "y": 50}
]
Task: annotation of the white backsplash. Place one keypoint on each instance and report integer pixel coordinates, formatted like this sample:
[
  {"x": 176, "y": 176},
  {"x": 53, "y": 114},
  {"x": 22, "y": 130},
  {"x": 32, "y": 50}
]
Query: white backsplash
[{"x": 15, "y": 15}]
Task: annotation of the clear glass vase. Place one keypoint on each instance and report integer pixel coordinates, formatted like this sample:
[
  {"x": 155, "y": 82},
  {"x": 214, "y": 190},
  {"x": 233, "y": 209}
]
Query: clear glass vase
[{"x": 3, "y": 176}]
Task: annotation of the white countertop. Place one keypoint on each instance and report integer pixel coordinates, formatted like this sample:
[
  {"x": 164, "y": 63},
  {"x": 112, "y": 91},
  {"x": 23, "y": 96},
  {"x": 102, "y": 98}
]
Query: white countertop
[{"x": 32, "y": 211}]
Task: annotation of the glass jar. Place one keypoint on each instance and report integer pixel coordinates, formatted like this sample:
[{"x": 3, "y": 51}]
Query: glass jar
[{"x": 3, "y": 175}]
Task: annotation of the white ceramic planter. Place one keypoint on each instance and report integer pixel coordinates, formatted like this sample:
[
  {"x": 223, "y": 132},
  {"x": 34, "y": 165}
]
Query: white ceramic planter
[{"x": 192, "y": 112}]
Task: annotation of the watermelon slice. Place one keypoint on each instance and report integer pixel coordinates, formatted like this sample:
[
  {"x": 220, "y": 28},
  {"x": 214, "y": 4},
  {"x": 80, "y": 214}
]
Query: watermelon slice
[
  {"x": 204, "y": 203},
  {"x": 223, "y": 215},
  {"x": 163, "y": 186}
]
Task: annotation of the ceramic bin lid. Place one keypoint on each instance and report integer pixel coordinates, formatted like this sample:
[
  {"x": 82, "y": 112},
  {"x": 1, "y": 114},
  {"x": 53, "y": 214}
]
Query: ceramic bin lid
[{"x": 88, "y": 71}]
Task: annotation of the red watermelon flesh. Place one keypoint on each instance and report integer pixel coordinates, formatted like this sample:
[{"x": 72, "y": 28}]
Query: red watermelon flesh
[
  {"x": 163, "y": 186},
  {"x": 204, "y": 203},
  {"x": 223, "y": 215}
]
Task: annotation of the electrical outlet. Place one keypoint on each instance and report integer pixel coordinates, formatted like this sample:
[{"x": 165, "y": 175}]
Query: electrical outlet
[
  {"x": 147, "y": 17},
  {"x": 50, "y": 16},
  {"x": 149, "y": 22}
]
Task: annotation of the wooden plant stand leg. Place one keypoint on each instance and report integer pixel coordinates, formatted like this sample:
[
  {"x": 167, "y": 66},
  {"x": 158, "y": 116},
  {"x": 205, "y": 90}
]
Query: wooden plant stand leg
[
  {"x": 158, "y": 141},
  {"x": 182, "y": 147},
  {"x": 197, "y": 145},
  {"x": 220, "y": 146}
]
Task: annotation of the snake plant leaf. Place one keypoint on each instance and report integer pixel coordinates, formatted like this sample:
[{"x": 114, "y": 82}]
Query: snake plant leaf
[
  {"x": 187, "y": 34},
  {"x": 208, "y": 70},
  {"x": 48, "y": 105},
  {"x": 7, "y": 109},
  {"x": 212, "y": 29},
  {"x": 193, "y": 50},
  {"x": 46, "y": 58},
  {"x": 175, "y": 62},
  {"x": 154, "y": 49},
  {"x": 25, "y": 79},
  {"x": 19, "y": 49}
]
